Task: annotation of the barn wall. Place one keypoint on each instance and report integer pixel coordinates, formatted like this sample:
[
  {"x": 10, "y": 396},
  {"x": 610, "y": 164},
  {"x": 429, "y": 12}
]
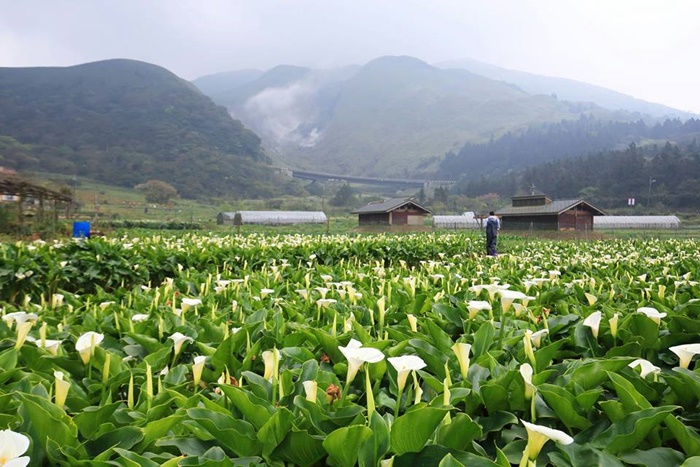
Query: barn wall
[
  {"x": 526, "y": 222},
  {"x": 415, "y": 220},
  {"x": 576, "y": 220},
  {"x": 374, "y": 218}
]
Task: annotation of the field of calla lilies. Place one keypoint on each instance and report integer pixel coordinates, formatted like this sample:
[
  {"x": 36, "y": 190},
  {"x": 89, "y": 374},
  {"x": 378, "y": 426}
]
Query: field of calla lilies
[{"x": 349, "y": 350}]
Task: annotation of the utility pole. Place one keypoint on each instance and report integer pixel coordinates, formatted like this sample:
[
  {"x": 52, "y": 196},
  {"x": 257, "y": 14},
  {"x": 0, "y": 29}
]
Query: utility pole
[{"x": 651, "y": 180}]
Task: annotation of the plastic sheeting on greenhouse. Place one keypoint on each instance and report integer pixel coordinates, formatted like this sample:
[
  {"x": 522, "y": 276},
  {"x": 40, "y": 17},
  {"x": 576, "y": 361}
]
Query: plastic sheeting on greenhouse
[
  {"x": 465, "y": 221},
  {"x": 636, "y": 222},
  {"x": 279, "y": 217}
]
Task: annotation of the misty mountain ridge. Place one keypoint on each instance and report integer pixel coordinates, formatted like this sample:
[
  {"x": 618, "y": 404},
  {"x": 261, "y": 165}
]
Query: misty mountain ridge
[
  {"x": 567, "y": 89},
  {"x": 394, "y": 116}
]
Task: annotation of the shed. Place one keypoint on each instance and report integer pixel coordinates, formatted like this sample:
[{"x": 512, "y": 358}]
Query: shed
[
  {"x": 636, "y": 222},
  {"x": 395, "y": 211},
  {"x": 271, "y": 217},
  {"x": 467, "y": 220},
  {"x": 541, "y": 213}
]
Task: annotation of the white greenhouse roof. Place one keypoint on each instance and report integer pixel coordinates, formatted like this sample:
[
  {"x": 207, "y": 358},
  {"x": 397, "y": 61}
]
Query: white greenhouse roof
[
  {"x": 466, "y": 221},
  {"x": 636, "y": 222},
  {"x": 280, "y": 217}
]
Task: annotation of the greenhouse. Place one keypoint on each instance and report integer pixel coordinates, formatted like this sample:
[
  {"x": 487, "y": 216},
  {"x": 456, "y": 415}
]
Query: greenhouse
[
  {"x": 466, "y": 221},
  {"x": 272, "y": 217},
  {"x": 636, "y": 222}
]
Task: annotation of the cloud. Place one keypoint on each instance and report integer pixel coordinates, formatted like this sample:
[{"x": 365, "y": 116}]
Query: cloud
[
  {"x": 286, "y": 113},
  {"x": 641, "y": 47}
]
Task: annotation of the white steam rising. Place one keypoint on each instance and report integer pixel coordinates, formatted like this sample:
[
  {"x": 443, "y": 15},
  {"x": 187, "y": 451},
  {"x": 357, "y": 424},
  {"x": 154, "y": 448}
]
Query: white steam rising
[{"x": 287, "y": 114}]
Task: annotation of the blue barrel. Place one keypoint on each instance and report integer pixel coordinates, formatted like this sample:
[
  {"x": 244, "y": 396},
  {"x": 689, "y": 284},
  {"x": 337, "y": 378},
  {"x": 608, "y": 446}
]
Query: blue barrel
[{"x": 81, "y": 230}]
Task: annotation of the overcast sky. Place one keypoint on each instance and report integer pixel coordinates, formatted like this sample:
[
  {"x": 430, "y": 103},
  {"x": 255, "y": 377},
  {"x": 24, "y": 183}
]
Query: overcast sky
[{"x": 645, "y": 48}]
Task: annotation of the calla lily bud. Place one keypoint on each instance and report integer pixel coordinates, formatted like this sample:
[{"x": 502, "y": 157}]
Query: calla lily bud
[
  {"x": 526, "y": 373},
  {"x": 310, "y": 389},
  {"x": 527, "y": 346},
  {"x": 149, "y": 380},
  {"x": 412, "y": 322},
  {"x": 613, "y": 322},
  {"x": 591, "y": 298},
  {"x": 130, "y": 394},
  {"x": 271, "y": 358},
  {"x": 197, "y": 368},
  {"x": 381, "y": 309},
  {"x": 22, "y": 333},
  {"x": 61, "y": 387},
  {"x": 462, "y": 350}
]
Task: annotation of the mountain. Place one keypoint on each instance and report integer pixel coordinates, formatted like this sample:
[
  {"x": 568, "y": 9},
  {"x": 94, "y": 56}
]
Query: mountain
[
  {"x": 566, "y": 89},
  {"x": 394, "y": 116},
  {"x": 221, "y": 83},
  {"x": 125, "y": 122}
]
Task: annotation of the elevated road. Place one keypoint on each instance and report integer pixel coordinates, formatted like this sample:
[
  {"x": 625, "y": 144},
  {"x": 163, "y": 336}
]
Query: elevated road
[{"x": 395, "y": 182}]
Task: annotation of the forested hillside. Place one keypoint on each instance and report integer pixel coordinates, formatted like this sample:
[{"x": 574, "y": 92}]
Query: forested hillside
[
  {"x": 549, "y": 141},
  {"x": 124, "y": 122},
  {"x": 663, "y": 176}
]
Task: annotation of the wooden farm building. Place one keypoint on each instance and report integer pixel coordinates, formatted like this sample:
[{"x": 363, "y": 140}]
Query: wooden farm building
[
  {"x": 395, "y": 211},
  {"x": 537, "y": 212}
]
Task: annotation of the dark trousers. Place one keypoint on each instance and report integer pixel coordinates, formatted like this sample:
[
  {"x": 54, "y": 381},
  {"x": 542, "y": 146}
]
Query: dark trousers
[{"x": 491, "y": 241}]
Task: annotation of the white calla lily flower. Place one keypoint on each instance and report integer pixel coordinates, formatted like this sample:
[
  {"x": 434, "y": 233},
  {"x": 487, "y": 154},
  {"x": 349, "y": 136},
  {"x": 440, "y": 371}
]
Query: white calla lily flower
[
  {"x": 12, "y": 446},
  {"x": 474, "y": 306},
  {"x": 404, "y": 365},
  {"x": 685, "y": 353},
  {"x": 537, "y": 337},
  {"x": 87, "y": 343},
  {"x": 593, "y": 322},
  {"x": 652, "y": 313},
  {"x": 591, "y": 298},
  {"x": 19, "y": 317},
  {"x": 357, "y": 355},
  {"x": 645, "y": 367},
  {"x": 537, "y": 435},
  {"x": 179, "y": 339},
  {"x": 187, "y": 303}
]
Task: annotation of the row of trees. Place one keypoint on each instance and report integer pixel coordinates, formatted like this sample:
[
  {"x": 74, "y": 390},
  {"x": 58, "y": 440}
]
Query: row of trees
[
  {"x": 667, "y": 176},
  {"x": 551, "y": 141}
]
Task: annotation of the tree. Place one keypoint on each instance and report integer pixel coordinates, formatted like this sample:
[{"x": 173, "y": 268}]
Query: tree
[
  {"x": 157, "y": 191},
  {"x": 344, "y": 196}
]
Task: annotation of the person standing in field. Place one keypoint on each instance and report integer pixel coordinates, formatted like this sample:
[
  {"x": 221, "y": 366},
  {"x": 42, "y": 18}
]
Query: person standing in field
[{"x": 493, "y": 225}]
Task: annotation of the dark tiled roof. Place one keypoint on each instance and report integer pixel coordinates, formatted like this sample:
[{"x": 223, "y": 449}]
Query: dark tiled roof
[
  {"x": 388, "y": 205},
  {"x": 555, "y": 207}
]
